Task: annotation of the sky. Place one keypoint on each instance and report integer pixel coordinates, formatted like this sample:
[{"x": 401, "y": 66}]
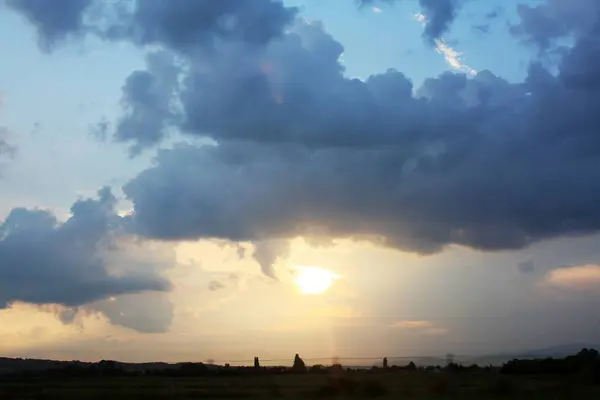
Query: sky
[{"x": 196, "y": 180}]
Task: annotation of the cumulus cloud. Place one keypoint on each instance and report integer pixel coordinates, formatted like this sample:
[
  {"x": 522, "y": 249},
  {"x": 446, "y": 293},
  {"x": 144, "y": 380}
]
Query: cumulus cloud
[
  {"x": 298, "y": 149},
  {"x": 43, "y": 261},
  {"x": 303, "y": 150}
]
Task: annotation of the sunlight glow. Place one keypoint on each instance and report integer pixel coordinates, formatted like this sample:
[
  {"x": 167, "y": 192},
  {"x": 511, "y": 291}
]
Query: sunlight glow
[{"x": 312, "y": 280}]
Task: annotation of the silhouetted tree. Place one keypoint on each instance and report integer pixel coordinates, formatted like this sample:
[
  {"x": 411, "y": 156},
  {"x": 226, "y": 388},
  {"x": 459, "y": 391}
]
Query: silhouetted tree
[
  {"x": 385, "y": 362},
  {"x": 256, "y": 363}
]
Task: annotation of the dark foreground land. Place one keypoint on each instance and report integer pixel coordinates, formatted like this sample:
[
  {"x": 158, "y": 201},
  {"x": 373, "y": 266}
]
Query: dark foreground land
[
  {"x": 419, "y": 385},
  {"x": 573, "y": 377}
]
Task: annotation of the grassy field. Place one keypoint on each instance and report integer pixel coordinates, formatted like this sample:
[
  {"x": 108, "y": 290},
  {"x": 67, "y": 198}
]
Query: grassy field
[{"x": 418, "y": 385}]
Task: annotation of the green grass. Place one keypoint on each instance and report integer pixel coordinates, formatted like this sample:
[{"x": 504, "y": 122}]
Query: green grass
[{"x": 401, "y": 385}]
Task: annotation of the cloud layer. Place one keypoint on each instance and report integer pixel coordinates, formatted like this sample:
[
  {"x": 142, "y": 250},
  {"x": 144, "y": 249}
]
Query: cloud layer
[{"x": 300, "y": 149}]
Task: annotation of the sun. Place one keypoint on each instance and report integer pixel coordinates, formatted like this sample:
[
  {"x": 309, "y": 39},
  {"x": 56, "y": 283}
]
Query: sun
[{"x": 313, "y": 280}]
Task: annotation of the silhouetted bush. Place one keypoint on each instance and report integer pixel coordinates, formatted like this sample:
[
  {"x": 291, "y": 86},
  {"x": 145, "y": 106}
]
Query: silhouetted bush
[{"x": 587, "y": 360}]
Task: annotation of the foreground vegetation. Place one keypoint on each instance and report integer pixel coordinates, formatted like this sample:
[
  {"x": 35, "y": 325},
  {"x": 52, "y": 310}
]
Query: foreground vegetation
[
  {"x": 419, "y": 385},
  {"x": 575, "y": 377}
]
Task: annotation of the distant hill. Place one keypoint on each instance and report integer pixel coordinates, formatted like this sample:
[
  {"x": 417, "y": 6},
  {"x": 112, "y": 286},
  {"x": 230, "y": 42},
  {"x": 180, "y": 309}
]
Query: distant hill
[
  {"x": 562, "y": 350},
  {"x": 31, "y": 364},
  {"x": 557, "y": 351}
]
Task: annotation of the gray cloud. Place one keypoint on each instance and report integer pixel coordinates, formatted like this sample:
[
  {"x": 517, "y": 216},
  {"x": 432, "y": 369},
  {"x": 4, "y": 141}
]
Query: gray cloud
[
  {"x": 144, "y": 312},
  {"x": 6, "y": 149},
  {"x": 149, "y": 102},
  {"x": 43, "y": 261},
  {"x": 545, "y": 23},
  {"x": 54, "y": 23},
  {"x": 303, "y": 150},
  {"x": 266, "y": 253},
  {"x": 180, "y": 24},
  {"x": 184, "y": 24},
  {"x": 440, "y": 14},
  {"x": 526, "y": 267}
]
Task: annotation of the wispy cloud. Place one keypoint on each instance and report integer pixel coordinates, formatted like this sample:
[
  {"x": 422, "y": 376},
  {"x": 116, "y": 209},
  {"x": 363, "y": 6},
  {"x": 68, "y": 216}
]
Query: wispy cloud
[
  {"x": 435, "y": 331},
  {"x": 412, "y": 324},
  {"x": 452, "y": 56},
  {"x": 580, "y": 278}
]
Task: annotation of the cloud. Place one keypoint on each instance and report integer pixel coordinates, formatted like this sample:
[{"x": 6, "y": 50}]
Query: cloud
[
  {"x": 452, "y": 57},
  {"x": 545, "y": 23},
  {"x": 266, "y": 253},
  {"x": 439, "y": 13},
  {"x": 148, "y": 102},
  {"x": 53, "y": 23},
  {"x": 423, "y": 327},
  {"x": 435, "y": 332},
  {"x": 526, "y": 267},
  {"x": 80, "y": 261},
  {"x": 413, "y": 324},
  {"x": 142, "y": 312},
  {"x": 298, "y": 149},
  {"x": 302, "y": 150},
  {"x": 180, "y": 24},
  {"x": 578, "y": 278},
  {"x": 7, "y": 150},
  {"x": 213, "y": 286}
]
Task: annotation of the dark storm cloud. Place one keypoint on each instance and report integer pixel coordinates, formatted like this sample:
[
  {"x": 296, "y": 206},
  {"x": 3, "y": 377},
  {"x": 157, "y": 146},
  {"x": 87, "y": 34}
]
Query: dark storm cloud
[
  {"x": 547, "y": 22},
  {"x": 302, "y": 150},
  {"x": 43, "y": 261},
  {"x": 53, "y": 20}
]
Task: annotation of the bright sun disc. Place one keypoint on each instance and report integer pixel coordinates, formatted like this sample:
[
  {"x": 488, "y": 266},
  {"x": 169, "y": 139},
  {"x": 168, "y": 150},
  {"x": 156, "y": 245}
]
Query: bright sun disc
[{"x": 312, "y": 280}]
